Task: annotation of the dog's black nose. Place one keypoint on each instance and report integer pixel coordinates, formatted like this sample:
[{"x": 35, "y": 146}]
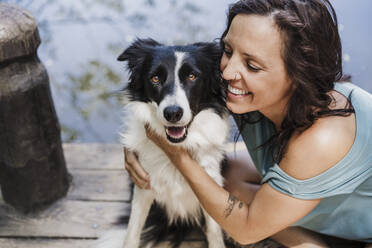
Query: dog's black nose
[{"x": 173, "y": 113}]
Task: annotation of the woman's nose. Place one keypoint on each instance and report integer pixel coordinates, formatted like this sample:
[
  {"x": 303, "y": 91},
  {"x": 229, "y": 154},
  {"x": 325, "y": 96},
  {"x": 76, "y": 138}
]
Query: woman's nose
[{"x": 231, "y": 71}]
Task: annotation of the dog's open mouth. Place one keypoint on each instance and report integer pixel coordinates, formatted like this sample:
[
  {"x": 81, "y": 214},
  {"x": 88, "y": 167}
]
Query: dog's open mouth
[{"x": 176, "y": 134}]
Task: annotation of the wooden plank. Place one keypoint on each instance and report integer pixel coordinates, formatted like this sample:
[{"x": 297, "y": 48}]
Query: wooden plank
[
  {"x": 94, "y": 202},
  {"x": 65, "y": 219},
  {"x": 68, "y": 243},
  {"x": 44, "y": 243},
  {"x": 188, "y": 244},
  {"x": 94, "y": 156},
  {"x": 108, "y": 156},
  {"x": 92, "y": 185}
]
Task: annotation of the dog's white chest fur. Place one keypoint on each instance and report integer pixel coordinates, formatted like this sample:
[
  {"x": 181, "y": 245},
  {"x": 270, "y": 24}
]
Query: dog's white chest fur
[{"x": 205, "y": 140}]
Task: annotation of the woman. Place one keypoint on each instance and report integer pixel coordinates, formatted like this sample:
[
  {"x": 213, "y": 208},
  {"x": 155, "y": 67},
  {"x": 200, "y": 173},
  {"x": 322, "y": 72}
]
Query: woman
[{"x": 308, "y": 137}]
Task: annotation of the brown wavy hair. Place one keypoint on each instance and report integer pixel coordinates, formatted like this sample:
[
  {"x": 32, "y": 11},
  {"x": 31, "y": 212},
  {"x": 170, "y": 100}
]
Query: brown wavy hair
[{"x": 312, "y": 55}]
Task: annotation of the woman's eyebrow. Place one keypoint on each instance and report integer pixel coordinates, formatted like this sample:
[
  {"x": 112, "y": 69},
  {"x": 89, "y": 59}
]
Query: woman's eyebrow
[
  {"x": 225, "y": 41},
  {"x": 247, "y": 55},
  {"x": 255, "y": 58}
]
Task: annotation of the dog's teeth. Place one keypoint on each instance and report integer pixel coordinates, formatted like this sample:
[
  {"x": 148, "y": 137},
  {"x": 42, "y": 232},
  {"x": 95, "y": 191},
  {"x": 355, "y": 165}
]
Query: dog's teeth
[{"x": 176, "y": 133}]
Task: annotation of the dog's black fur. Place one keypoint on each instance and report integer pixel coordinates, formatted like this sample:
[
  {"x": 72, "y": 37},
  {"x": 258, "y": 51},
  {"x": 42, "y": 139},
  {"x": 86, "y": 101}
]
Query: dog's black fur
[{"x": 146, "y": 58}]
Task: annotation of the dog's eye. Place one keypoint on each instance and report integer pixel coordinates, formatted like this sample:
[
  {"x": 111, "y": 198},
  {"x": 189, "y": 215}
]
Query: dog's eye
[
  {"x": 191, "y": 77},
  {"x": 155, "y": 79}
]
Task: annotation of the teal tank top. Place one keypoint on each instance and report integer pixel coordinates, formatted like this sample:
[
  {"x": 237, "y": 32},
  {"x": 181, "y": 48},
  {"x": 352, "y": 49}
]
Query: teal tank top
[{"x": 346, "y": 188}]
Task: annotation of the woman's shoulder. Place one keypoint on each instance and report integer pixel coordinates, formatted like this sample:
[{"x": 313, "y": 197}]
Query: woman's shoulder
[{"x": 320, "y": 147}]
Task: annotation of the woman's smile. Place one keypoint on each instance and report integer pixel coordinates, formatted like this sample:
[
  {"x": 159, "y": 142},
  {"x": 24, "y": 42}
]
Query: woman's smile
[
  {"x": 253, "y": 66},
  {"x": 234, "y": 93}
]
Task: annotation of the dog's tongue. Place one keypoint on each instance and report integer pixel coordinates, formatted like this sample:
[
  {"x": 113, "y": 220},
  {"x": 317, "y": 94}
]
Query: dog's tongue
[{"x": 176, "y": 131}]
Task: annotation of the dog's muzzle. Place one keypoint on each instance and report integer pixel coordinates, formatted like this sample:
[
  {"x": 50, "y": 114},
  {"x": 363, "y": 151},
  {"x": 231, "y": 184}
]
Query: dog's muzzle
[{"x": 173, "y": 114}]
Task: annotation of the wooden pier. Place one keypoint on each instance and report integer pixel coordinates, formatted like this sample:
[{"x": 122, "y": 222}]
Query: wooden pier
[{"x": 99, "y": 194}]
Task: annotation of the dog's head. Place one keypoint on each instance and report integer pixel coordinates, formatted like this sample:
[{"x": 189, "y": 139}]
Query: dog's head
[{"x": 180, "y": 80}]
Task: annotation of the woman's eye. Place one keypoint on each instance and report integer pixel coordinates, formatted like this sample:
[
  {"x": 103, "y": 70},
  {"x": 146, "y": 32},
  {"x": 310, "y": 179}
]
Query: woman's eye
[
  {"x": 253, "y": 68},
  {"x": 227, "y": 52},
  {"x": 191, "y": 77},
  {"x": 155, "y": 79}
]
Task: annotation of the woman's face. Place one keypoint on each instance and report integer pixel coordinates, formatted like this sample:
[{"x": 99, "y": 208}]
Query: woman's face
[{"x": 253, "y": 66}]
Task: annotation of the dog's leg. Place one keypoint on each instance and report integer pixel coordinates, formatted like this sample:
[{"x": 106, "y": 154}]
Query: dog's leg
[
  {"x": 141, "y": 203},
  {"x": 213, "y": 232}
]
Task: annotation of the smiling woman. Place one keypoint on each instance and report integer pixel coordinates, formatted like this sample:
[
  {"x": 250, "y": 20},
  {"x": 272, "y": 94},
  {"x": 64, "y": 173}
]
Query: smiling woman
[
  {"x": 252, "y": 63},
  {"x": 294, "y": 77},
  {"x": 308, "y": 134}
]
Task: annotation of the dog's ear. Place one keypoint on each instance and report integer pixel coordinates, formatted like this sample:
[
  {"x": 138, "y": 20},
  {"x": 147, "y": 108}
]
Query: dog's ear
[
  {"x": 211, "y": 54},
  {"x": 137, "y": 52},
  {"x": 211, "y": 50},
  {"x": 137, "y": 55}
]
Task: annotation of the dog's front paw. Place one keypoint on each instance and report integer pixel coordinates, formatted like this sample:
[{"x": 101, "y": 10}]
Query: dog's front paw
[
  {"x": 130, "y": 244},
  {"x": 216, "y": 245}
]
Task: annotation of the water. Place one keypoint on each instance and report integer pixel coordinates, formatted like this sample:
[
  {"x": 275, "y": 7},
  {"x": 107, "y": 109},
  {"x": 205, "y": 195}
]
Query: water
[{"x": 82, "y": 39}]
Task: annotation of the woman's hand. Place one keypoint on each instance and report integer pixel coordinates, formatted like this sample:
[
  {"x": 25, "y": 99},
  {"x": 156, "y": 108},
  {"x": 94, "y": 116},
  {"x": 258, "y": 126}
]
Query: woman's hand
[
  {"x": 136, "y": 172},
  {"x": 175, "y": 153}
]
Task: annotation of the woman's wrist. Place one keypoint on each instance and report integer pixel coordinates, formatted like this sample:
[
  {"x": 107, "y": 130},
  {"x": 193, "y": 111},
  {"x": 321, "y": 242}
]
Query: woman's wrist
[{"x": 180, "y": 158}]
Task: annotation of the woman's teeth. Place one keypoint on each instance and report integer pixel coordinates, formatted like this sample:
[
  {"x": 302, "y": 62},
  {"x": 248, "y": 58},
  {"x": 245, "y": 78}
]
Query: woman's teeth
[{"x": 236, "y": 91}]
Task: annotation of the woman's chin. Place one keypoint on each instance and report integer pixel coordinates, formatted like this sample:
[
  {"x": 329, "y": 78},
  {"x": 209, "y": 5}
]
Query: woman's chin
[{"x": 239, "y": 108}]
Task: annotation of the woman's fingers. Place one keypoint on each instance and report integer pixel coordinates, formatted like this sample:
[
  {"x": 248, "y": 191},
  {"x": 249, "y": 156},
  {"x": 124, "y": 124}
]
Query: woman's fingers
[
  {"x": 151, "y": 134},
  {"x": 137, "y": 181},
  {"x": 132, "y": 159},
  {"x": 173, "y": 152},
  {"x": 159, "y": 141},
  {"x": 138, "y": 175},
  {"x": 154, "y": 137},
  {"x": 143, "y": 184}
]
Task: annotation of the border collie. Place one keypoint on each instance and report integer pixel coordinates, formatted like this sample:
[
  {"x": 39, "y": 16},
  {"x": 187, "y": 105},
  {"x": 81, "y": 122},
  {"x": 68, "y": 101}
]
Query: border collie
[{"x": 178, "y": 91}]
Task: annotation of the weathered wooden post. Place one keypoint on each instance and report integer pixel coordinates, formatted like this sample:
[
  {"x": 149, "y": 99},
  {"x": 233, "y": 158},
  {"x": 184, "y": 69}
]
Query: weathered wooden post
[{"x": 32, "y": 166}]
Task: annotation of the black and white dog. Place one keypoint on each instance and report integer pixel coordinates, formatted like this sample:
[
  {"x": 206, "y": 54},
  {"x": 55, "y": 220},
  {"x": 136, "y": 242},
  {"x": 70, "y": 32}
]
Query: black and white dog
[{"x": 178, "y": 91}]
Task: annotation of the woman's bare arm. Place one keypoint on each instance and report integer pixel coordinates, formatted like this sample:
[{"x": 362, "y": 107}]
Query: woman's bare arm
[
  {"x": 241, "y": 176},
  {"x": 270, "y": 211}
]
